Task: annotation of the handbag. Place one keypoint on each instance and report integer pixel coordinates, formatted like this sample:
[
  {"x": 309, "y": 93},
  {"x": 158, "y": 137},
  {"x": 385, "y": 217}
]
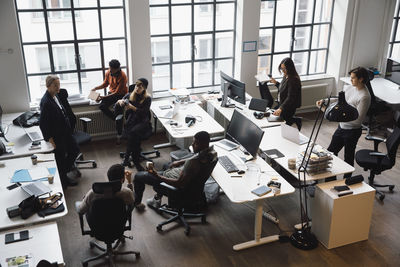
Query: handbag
[
  {"x": 29, "y": 206},
  {"x": 27, "y": 119}
]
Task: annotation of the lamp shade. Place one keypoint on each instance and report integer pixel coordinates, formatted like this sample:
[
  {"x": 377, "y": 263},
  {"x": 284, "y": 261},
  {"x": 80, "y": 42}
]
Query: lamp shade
[{"x": 341, "y": 111}]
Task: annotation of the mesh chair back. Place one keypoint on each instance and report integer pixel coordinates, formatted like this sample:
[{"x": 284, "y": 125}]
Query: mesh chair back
[{"x": 392, "y": 143}]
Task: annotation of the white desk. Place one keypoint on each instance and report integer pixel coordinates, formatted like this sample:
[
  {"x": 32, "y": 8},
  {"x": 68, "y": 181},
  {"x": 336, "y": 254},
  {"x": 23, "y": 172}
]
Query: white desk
[
  {"x": 214, "y": 107},
  {"x": 384, "y": 89},
  {"x": 182, "y": 135},
  {"x": 43, "y": 243},
  {"x": 273, "y": 139},
  {"x": 21, "y": 141},
  {"x": 238, "y": 190},
  {"x": 9, "y": 198}
]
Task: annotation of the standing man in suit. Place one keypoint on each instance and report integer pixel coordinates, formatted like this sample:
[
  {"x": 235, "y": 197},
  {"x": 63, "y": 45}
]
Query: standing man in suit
[
  {"x": 56, "y": 129},
  {"x": 117, "y": 80}
]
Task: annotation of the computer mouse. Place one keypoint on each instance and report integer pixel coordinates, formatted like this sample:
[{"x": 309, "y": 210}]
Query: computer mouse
[{"x": 241, "y": 172}]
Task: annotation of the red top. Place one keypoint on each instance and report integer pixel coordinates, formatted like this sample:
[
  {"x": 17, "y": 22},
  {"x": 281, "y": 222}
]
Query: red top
[{"x": 117, "y": 83}]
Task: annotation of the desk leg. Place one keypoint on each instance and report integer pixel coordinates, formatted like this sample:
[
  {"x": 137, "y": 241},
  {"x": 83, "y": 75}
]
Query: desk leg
[{"x": 258, "y": 240}]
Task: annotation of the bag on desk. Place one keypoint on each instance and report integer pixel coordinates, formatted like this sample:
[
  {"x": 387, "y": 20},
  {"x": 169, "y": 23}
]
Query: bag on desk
[
  {"x": 27, "y": 119},
  {"x": 29, "y": 206}
]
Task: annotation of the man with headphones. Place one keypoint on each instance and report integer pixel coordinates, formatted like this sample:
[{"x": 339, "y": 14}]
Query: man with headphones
[{"x": 117, "y": 80}]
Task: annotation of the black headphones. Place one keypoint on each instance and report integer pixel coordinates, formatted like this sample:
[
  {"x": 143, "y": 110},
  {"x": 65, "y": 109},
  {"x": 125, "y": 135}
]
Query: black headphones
[{"x": 260, "y": 115}]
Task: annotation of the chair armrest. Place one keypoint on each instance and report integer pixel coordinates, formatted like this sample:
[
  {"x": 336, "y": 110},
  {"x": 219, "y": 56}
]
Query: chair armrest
[
  {"x": 81, "y": 221},
  {"x": 379, "y": 157},
  {"x": 376, "y": 140},
  {"x": 169, "y": 187}
]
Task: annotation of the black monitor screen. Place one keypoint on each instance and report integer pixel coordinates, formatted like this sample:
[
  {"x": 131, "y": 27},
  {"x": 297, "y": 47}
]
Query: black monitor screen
[
  {"x": 393, "y": 71},
  {"x": 245, "y": 132},
  {"x": 233, "y": 89}
]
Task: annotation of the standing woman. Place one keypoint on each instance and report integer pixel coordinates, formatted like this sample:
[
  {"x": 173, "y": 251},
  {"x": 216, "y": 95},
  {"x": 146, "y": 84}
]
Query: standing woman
[
  {"x": 137, "y": 106},
  {"x": 289, "y": 89},
  {"x": 56, "y": 129}
]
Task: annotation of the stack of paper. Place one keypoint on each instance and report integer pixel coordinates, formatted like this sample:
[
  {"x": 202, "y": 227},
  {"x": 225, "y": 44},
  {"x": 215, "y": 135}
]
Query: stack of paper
[
  {"x": 262, "y": 77},
  {"x": 93, "y": 95}
]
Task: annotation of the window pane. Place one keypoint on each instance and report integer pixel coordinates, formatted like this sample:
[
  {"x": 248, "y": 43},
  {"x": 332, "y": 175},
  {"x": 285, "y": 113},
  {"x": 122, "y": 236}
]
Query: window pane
[
  {"x": 304, "y": 11},
  {"x": 114, "y": 49},
  {"x": 181, "y": 19},
  {"x": 203, "y": 73},
  {"x": 323, "y": 10},
  {"x": 90, "y": 55},
  {"x": 160, "y": 78},
  {"x": 224, "y": 65},
  {"x": 224, "y": 44},
  {"x": 302, "y": 38},
  {"x": 110, "y": 2},
  {"x": 60, "y": 25},
  {"x": 396, "y": 51},
  {"x": 112, "y": 21},
  {"x": 86, "y": 24},
  {"x": 64, "y": 57},
  {"x": 37, "y": 58},
  {"x": 160, "y": 49},
  {"x": 265, "y": 42},
  {"x": 320, "y": 36},
  {"x": 300, "y": 62},
  {"x": 267, "y": 14},
  {"x": 317, "y": 61},
  {"x": 283, "y": 39},
  {"x": 159, "y": 20},
  {"x": 264, "y": 64},
  {"x": 32, "y": 27},
  {"x": 203, "y": 46},
  {"x": 158, "y": 2},
  {"x": 284, "y": 12},
  {"x": 225, "y": 16},
  {"x": 23, "y": 4},
  {"x": 276, "y": 60},
  {"x": 37, "y": 87},
  {"x": 397, "y": 38},
  {"x": 180, "y": 1},
  {"x": 90, "y": 80},
  {"x": 58, "y": 4},
  {"x": 70, "y": 82},
  {"x": 85, "y": 3},
  {"x": 203, "y": 18},
  {"x": 182, "y": 48},
  {"x": 181, "y": 76}
]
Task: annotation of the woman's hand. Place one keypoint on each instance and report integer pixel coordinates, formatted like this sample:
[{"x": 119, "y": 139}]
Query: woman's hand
[
  {"x": 277, "y": 112},
  {"x": 273, "y": 80},
  {"x": 121, "y": 102},
  {"x": 130, "y": 106},
  {"x": 51, "y": 140}
]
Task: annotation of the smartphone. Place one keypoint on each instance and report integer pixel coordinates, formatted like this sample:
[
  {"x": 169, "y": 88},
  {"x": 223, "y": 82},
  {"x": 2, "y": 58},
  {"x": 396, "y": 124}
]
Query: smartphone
[
  {"x": 15, "y": 237},
  {"x": 262, "y": 190},
  {"x": 10, "y": 187},
  {"x": 35, "y": 143}
]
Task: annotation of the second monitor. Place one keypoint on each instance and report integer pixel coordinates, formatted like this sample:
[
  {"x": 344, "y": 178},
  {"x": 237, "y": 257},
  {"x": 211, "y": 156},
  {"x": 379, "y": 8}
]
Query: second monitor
[{"x": 232, "y": 89}]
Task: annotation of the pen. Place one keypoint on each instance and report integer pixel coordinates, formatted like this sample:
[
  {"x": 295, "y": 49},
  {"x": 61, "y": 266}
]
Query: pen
[
  {"x": 239, "y": 107},
  {"x": 236, "y": 176}
]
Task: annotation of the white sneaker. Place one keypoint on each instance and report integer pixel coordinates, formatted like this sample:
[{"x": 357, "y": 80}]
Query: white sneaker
[{"x": 154, "y": 203}]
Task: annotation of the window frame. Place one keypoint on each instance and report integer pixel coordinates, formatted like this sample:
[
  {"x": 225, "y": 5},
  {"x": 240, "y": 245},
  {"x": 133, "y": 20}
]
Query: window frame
[{"x": 396, "y": 19}]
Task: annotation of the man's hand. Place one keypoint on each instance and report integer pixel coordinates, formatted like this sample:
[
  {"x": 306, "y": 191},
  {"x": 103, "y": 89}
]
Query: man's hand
[
  {"x": 277, "y": 112},
  {"x": 99, "y": 98},
  {"x": 319, "y": 103},
  {"x": 121, "y": 102},
  {"x": 94, "y": 89},
  {"x": 151, "y": 170},
  {"x": 51, "y": 140},
  {"x": 128, "y": 176}
]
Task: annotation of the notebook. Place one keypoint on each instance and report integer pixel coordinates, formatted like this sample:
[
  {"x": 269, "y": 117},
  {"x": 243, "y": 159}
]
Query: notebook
[
  {"x": 293, "y": 134},
  {"x": 34, "y": 136},
  {"x": 36, "y": 188},
  {"x": 226, "y": 144}
]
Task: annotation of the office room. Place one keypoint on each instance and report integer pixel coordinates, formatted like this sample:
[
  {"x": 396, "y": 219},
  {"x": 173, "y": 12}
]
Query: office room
[{"x": 179, "y": 52}]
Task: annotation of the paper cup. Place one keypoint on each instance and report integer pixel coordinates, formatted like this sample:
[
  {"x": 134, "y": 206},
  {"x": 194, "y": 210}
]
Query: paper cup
[{"x": 50, "y": 178}]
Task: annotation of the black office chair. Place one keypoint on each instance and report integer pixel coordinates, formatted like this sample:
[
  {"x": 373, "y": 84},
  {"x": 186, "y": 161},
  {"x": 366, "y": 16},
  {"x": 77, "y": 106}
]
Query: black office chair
[
  {"x": 45, "y": 263},
  {"x": 188, "y": 202},
  {"x": 81, "y": 137},
  {"x": 377, "y": 162},
  {"x": 108, "y": 219}
]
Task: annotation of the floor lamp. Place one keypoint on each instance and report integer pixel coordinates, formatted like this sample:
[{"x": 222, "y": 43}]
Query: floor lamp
[{"x": 340, "y": 111}]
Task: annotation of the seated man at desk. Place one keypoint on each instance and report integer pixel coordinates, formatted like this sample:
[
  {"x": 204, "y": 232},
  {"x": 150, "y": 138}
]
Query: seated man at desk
[
  {"x": 177, "y": 174},
  {"x": 115, "y": 172}
]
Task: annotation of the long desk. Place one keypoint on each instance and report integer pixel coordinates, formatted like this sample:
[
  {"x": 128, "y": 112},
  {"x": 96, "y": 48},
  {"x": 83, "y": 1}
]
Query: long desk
[
  {"x": 9, "y": 198},
  {"x": 238, "y": 190},
  {"x": 21, "y": 142},
  {"x": 273, "y": 139},
  {"x": 182, "y": 135}
]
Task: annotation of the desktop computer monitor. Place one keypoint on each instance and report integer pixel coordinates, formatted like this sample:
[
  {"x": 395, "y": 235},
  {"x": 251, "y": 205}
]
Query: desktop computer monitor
[
  {"x": 245, "y": 132},
  {"x": 393, "y": 71},
  {"x": 232, "y": 89}
]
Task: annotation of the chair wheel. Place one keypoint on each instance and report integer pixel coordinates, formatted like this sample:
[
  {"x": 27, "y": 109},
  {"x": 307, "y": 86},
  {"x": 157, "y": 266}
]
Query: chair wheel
[
  {"x": 94, "y": 164},
  {"x": 157, "y": 154},
  {"x": 137, "y": 255},
  {"x": 391, "y": 188},
  {"x": 187, "y": 231},
  {"x": 85, "y": 264},
  {"x": 121, "y": 154},
  {"x": 381, "y": 197},
  {"x": 203, "y": 219},
  {"x": 91, "y": 245},
  {"x": 159, "y": 228}
]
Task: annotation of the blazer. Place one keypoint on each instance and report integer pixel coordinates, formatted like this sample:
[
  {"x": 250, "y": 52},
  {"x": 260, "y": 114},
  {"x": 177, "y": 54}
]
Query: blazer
[
  {"x": 289, "y": 93},
  {"x": 53, "y": 122}
]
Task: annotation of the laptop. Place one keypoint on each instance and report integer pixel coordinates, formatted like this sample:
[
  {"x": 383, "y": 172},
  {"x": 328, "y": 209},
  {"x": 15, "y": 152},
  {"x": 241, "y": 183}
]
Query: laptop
[
  {"x": 169, "y": 114},
  {"x": 34, "y": 136},
  {"x": 258, "y": 104},
  {"x": 292, "y": 134},
  {"x": 36, "y": 188},
  {"x": 227, "y": 144}
]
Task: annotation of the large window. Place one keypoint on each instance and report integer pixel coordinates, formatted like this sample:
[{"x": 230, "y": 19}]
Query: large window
[
  {"x": 74, "y": 39},
  {"x": 191, "y": 42},
  {"x": 394, "y": 44},
  {"x": 299, "y": 29}
]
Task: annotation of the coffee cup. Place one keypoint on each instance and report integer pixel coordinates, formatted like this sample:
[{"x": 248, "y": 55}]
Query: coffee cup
[
  {"x": 292, "y": 163},
  {"x": 34, "y": 159},
  {"x": 149, "y": 165},
  {"x": 50, "y": 178}
]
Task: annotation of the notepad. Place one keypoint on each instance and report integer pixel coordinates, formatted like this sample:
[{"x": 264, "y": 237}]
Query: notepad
[
  {"x": 23, "y": 175},
  {"x": 93, "y": 95}
]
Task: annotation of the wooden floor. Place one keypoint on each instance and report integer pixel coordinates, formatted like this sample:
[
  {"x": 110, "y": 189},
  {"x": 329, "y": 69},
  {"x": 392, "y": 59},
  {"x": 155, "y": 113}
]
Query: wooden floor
[{"x": 229, "y": 224}]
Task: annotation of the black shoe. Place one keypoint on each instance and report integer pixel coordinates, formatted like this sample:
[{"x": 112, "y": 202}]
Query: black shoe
[{"x": 127, "y": 162}]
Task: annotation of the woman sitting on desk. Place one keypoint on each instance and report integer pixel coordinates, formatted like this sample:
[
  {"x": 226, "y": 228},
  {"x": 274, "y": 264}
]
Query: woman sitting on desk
[
  {"x": 137, "y": 106},
  {"x": 289, "y": 92}
]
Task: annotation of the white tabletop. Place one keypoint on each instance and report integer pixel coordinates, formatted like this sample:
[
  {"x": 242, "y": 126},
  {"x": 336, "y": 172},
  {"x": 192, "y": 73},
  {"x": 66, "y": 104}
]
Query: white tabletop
[
  {"x": 19, "y": 142},
  {"x": 258, "y": 173},
  {"x": 9, "y": 198},
  {"x": 204, "y": 122},
  {"x": 384, "y": 89},
  {"x": 273, "y": 139},
  {"x": 43, "y": 243},
  {"x": 358, "y": 188}
]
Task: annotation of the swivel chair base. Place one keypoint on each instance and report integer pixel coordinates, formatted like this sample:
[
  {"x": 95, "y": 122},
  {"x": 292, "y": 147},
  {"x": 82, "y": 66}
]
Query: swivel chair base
[
  {"x": 110, "y": 252},
  {"x": 379, "y": 193},
  {"x": 80, "y": 160}
]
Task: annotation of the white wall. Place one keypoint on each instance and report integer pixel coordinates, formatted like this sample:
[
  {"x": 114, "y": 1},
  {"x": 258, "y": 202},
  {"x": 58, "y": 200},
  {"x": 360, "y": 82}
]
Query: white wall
[{"x": 13, "y": 93}]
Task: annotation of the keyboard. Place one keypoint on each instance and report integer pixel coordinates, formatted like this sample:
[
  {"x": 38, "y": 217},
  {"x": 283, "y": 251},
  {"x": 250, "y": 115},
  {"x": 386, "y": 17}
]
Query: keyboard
[{"x": 228, "y": 165}]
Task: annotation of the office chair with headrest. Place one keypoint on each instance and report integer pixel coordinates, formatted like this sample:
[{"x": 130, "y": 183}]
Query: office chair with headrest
[
  {"x": 187, "y": 202},
  {"x": 81, "y": 137},
  {"x": 377, "y": 162},
  {"x": 108, "y": 218}
]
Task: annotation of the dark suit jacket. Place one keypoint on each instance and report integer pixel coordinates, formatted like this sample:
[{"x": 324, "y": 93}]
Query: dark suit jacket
[
  {"x": 63, "y": 97},
  {"x": 53, "y": 123},
  {"x": 289, "y": 94}
]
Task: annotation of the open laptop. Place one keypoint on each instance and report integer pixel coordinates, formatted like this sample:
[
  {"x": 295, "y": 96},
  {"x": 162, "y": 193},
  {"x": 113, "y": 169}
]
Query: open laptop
[
  {"x": 227, "y": 144},
  {"x": 34, "y": 136},
  {"x": 293, "y": 134},
  {"x": 169, "y": 114},
  {"x": 36, "y": 188}
]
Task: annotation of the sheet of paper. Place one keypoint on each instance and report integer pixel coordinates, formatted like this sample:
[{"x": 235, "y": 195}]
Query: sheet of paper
[
  {"x": 45, "y": 157},
  {"x": 93, "y": 95},
  {"x": 38, "y": 172},
  {"x": 262, "y": 77}
]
